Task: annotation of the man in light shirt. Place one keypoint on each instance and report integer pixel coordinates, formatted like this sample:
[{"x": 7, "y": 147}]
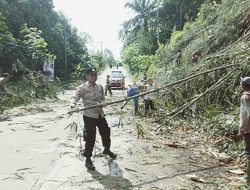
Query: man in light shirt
[
  {"x": 244, "y": 131},
  {"x": 3, "y": 80},
  {"x": 92, "y": 94},
  {"x": 149, "y": 98}
]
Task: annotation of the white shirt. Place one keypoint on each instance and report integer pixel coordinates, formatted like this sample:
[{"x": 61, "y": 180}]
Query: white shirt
[
  {"x": 150, "y": 88},
  {"x": 245, "y": 112},
  {"x": 2, "y": 81},
  {"x": 91, "y": 95}
]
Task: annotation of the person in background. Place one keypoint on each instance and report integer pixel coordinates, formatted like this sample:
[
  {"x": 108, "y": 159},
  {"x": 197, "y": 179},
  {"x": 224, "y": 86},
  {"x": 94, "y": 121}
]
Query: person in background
[
  {"x": 108, "y": 86},
  {"x": 178, "y": 57},
  {"x": 244, "y": 131},
  {"x": 196, "y": 56},
  {"x": 133, "y": 91},
  {"x": 3, "y": 80},
  {"x": 149, "y": 98},
  {"x": 92, "y": 94},
  {"x": 3, "y": 91}
]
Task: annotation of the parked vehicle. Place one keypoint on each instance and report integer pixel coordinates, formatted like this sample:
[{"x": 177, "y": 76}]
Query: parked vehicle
[{"x": 117, "y": 79}]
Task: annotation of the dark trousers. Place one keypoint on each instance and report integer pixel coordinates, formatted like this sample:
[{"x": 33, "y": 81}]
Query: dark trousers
[
  {"x": 108, "y": 88},
  {"x": 136, "y": 104},
  {"x": 178, "y": 62},
  {"x": 149, "y": 104},
  {"x": 90, "y": 133},
  {"x": 247, "y": 145}
]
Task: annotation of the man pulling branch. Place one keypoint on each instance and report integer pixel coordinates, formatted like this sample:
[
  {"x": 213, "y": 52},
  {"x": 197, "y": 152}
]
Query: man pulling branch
[{"x": 91, "y": 94}]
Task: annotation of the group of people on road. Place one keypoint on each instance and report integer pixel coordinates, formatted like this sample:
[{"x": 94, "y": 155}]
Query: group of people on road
[
  {"x": 148, "y": 98},
  {"x": 133, "y": 90},
  {"x": 92, "y": 93}
]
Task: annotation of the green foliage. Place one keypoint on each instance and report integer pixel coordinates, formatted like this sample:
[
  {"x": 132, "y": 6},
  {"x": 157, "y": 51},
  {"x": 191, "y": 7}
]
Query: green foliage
[
  {"x": 79, "y": 71},
  {"x": 108, "y": 57},
  {"x": 30, "y": 87},
  {"x": 218, "y": 34},
  {"x": 35, "y": 48},
  {"x": 7, "y": 43},
  {"x": 6, "y": 38},
  {"x": 221, "y": 126},
  {"x": 152, "y": 70},
  {"x": 38, "y": 32},
  {"x": 145, "y": 10},
  {"x": 141, "y": 64},
  {"x": 129, "y": 53},
  {"x": 175, "y": 36},
  {"x": 154, "y": 22},
  {"x": 97, "y": 61}
]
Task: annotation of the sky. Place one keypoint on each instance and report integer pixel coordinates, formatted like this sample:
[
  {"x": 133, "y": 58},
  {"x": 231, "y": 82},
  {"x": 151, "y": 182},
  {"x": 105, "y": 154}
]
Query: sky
[{"x": 101, "y": 19}]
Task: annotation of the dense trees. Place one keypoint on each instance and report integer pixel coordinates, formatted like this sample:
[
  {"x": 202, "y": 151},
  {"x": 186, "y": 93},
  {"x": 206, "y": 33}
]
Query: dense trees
[
  {"x": 7, "y": 44},
  {"x": 153, "y": 24},
  {"x": 218, "y": 29},
  {"x": 31, "y": 32},
  {"x": 144, "y": 10}
]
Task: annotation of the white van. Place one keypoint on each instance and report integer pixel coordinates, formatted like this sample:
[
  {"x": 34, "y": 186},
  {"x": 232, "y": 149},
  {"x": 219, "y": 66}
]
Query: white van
[{"x": 117, "y": 79}]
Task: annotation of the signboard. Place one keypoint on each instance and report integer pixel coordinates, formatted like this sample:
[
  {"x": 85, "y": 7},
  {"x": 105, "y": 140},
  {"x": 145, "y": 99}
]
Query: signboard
[{"x": 48, "y": 69}]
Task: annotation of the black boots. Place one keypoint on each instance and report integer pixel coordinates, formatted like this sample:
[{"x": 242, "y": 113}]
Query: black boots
[
  {"x": 111, "y": 154},
  {"x": 88, "y": 164}
]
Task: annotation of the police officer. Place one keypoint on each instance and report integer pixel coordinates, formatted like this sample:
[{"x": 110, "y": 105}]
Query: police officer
[{"x": 91, "y": 94}]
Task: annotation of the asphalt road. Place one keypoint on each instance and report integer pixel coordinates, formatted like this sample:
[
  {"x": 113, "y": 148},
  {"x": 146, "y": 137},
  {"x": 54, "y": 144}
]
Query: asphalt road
[{"x": 38, "y": 153}]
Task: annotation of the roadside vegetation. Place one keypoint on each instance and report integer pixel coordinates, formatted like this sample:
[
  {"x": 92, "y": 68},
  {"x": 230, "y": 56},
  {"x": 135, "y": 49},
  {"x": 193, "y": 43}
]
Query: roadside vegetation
[
  {"x": 33, "y": 33},
  {"x": 204, "y": 110}
]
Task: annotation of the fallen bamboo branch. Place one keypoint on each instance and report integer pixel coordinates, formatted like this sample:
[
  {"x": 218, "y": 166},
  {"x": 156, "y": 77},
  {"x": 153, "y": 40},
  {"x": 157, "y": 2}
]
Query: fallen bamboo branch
[
  {"x": 183, "y": 107},
  {"x": 160, "y": 88},
  {"x": 201, "y": 95}
]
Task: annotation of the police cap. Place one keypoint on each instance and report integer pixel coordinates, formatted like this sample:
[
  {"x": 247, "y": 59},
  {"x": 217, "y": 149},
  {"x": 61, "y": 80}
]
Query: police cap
[{"x": 91, "y": 70}]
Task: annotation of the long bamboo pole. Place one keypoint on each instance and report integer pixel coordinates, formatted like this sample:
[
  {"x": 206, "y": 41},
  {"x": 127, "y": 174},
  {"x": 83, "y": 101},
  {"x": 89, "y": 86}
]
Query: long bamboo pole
[
  {"x": 160, "y": 88},
  {"x": 213, "y": 87}
]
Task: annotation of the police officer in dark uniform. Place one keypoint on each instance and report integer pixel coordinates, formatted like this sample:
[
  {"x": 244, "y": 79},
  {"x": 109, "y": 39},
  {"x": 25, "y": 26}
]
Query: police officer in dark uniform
[{"x": 92, "y": 94}]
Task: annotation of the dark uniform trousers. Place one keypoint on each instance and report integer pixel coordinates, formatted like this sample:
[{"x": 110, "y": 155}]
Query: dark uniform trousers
[
  {"x": 247, "y": 145},
  {"x": 90, "y": 133}
]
